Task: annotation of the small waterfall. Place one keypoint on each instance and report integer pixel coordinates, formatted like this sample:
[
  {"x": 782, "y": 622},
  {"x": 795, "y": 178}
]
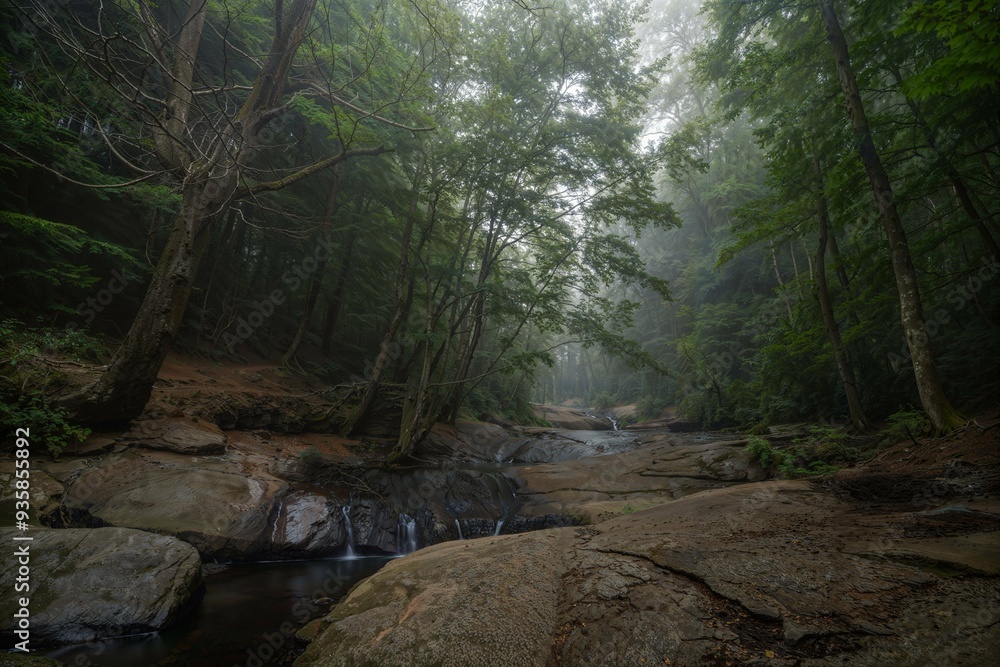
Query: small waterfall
[
  {"x": 458, "y": 526},
  {"x": 349, "y": 552},
  {"x": 406, "y": 535},
  {"x": 276, "y": 531},
  {"x": 614, "y": 422},
  {"x": 499, "y": 526}
]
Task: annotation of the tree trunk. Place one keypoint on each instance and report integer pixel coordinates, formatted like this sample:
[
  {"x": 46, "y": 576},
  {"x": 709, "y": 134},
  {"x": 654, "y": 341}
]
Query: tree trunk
[
  {"x": 384, "y": 356},
  {"x": 121, "y": 392},
  {"x": 337, "y": 298},
  {"x": 942, "y": 415},
  {"x": 124, "y": 387},
  {"x": 844, "y": 367},
  {"x": 316, "y": 279}
]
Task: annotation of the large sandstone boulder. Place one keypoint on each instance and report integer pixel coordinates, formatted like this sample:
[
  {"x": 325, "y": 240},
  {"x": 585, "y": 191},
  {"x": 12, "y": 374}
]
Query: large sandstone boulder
[
  {"x": 87, "y": 584},
  {"x": 775, "y": 573},
  {"x": 217, "y": 504},
  {"x": 459, "y": 604},
  {"x": 307, "y": 525}
]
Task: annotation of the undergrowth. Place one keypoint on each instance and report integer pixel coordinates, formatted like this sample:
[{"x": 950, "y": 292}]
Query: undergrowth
[
  {"x": 27, "y": 378},
  {"x": 822, "y": 451}
]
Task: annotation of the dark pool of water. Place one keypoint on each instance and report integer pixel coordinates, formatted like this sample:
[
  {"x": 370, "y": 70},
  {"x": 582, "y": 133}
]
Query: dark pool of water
[{"x": 246, "y": 618}]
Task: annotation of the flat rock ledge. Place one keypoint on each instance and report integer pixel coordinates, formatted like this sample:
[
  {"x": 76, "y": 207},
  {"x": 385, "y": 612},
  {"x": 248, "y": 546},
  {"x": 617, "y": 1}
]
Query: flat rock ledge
[
  {"x": 187, "y": 435},
  {"x": 89, "y": 584},
  {"x": 769, "y": 573}
]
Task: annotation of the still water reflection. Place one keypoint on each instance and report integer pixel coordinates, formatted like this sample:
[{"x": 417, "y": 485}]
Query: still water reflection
[{"x": 246, "y": 618}]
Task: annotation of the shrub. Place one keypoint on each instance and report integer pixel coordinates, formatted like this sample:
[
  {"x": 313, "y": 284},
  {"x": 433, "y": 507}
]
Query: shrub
[
  {"x": 48, "y": 423},
  {"x": 904, "y": 424},
  {"x": 604, "y": 401},
  {"x": 789, "y": 464},
  {"x": 26, "y": 377},
  {"x": 649, "y": 407}
]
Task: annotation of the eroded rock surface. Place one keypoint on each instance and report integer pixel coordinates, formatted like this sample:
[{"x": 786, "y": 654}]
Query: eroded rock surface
[
  {"x": 658, "y": 469},
  {"x": 772, "y": 573},
  {"x": 214, "y": 503},
  {"x": 485, "y": 602},
  {"x": 106, "y": 582},
  {"x": 193, "y": 436}
]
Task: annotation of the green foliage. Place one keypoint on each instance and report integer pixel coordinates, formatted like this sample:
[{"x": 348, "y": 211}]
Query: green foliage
[
  {"x": 649, "y": 407},
  {"x": 603, "y": 401},
  {"x": 971, "y": 29},
  {"x": 761, "y": 451},
  {"x": 311, "y": 456},
  {"x": 37, "y": 251},
  {"x": 816, "y": 455},
  {"x": 828, "y": 443},
  {"x": 903, "y": 425},
  {"x": 47, "y": 423},
  {"x": 26, "y": 377},
  {"x": 21, "y": 346},
  {"x": 482, "y": 404}
]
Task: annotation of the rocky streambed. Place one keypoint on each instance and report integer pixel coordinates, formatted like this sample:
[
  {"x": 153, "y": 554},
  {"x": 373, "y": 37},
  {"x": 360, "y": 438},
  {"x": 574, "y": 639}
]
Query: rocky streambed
[{"x": 600, "y": 547}]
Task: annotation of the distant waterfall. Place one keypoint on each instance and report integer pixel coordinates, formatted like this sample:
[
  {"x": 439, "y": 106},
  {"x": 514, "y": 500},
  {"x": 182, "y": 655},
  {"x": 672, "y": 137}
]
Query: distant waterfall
[
  {"x": 406, "y": 534},
  {"x": 499, "y": 526},
  {"x": 458, "y": 526},
  {"x": 346, "y": 511},
  {"x": 614, "y": 422}
]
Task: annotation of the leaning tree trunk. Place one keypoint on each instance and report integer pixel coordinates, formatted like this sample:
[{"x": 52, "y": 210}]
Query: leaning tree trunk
[
  {"x": 209, "y": 185},
  {"x": 942, "y": 415},
  {"x": 384, "y": 356},
  {"x": 844, "y": 367},
  {"x": 123, "y": 389}
]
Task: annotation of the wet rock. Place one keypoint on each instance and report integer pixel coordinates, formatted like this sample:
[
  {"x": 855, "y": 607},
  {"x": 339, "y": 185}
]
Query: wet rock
[
  {"x": 571, "y": 418},
  {"x": 25, "y": 660},
  {"x": 45, "y": 496},
  {"x": 765, "y": 573},
  {"x": 307, "y": 525},
  {"x": 659, "y": 469},
  {"x": 94, "y": 445},
  {"x": 215, "y": 503},
  {"x": 191, "y": 436},
  {"x": 106, "y": 582}
]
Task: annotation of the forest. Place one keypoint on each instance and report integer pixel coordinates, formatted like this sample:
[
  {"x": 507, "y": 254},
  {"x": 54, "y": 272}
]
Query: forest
[
  {"x": 416, "y": 232},
  {"x": 488, "y": 205}
]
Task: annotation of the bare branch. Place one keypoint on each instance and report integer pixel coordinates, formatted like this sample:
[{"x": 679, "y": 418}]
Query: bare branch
[{"x": 269, "y": 186}]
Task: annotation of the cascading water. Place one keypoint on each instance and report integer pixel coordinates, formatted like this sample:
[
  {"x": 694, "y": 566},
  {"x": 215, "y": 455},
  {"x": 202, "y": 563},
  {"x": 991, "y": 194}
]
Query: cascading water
[
  {"x": 406, "y": 535},
  {"x": 458, "y": 527},
  {"x": 505, "y": 494},
  {"x": 614, "y": 422},
  {"x": 349, "y": 552}
]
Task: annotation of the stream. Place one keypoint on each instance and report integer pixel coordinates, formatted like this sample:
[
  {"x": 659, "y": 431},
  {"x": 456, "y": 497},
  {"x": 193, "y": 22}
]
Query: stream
[
  {"x": 240, "y": 620},
  {"x": 250, "y": 611}
]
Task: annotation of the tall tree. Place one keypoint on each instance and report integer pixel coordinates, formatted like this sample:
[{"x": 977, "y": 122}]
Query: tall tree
[
  {"x": 211, "y": 137},
  {"x": 939, "y": 410}
]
